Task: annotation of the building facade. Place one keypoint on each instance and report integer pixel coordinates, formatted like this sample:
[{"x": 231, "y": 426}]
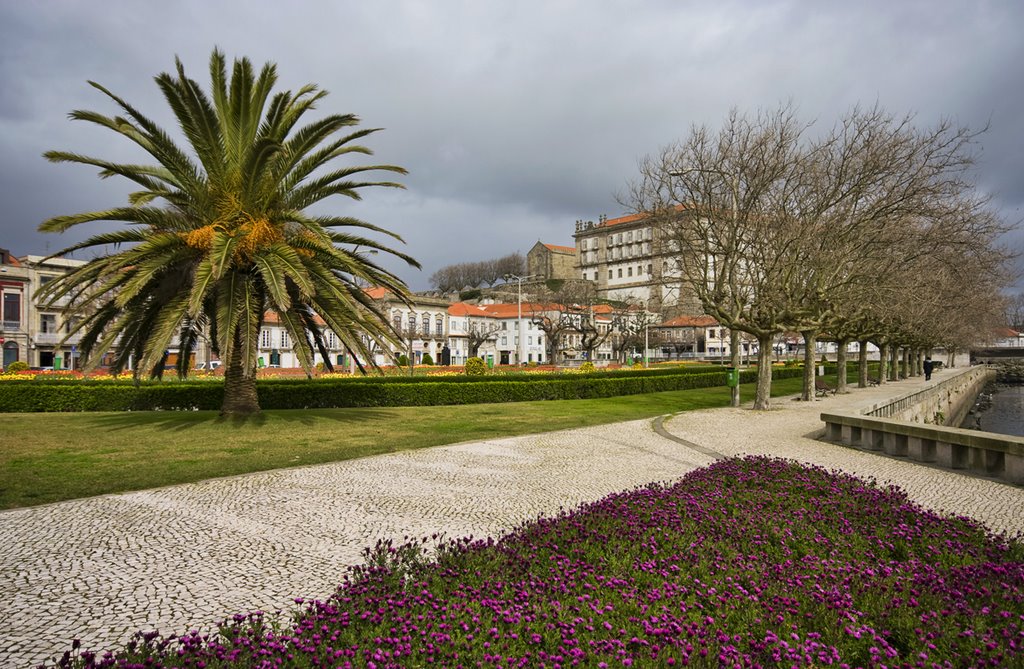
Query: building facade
[
  {"x": 550, "y": 261},
  {"x": 628, "y": 260},
  {"x": 15, "y": 337}
]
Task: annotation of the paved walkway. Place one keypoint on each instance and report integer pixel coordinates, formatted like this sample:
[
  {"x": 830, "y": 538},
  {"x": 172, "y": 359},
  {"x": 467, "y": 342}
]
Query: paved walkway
[{"x": 186, "y": 556}]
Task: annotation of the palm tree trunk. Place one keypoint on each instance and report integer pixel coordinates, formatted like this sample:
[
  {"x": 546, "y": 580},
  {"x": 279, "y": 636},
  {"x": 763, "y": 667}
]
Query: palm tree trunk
[{"x": 240, "y": 398}]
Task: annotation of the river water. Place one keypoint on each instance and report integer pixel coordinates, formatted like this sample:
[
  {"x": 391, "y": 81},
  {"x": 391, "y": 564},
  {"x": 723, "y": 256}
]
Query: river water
[{"x": 1002, "y": 413}]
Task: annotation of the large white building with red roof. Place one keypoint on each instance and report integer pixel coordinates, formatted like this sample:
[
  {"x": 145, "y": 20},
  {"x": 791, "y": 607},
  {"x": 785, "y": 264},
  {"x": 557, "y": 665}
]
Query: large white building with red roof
[{"x": 627, "y": 259}]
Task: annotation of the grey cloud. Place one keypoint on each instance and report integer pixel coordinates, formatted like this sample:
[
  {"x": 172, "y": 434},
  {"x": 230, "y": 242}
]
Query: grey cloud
[{"x": 514, "y": 119}]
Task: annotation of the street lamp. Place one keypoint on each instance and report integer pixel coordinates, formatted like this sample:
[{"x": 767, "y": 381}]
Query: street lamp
[
  {"x": 734, "y": 192},
  {"x": 519, "y": 314}
]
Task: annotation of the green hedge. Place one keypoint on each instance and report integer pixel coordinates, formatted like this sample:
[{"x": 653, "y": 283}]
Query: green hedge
[{"x": 35, "y": 396}]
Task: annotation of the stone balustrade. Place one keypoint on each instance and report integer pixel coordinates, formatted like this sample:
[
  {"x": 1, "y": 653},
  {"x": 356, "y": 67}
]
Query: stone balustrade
[{"x": 887, "y": 428}]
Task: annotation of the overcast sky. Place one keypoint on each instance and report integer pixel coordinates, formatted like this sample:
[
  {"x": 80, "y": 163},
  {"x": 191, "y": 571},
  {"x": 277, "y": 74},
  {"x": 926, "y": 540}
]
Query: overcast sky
[{"x": 513, "y": 118}]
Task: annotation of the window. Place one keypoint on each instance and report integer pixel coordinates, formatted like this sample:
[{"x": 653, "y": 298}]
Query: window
[
  {"x": 629, "y": 236},
  {"x": 439, "y": 325},
  {"x": 620, "y": 272},
  {"x": 48, "y": 323},
  {"x": 629, "y": 271},
  {"x": 609, "y": 274},
  {"x": 504, "y": 341},
  {"x": 540, "y": 341},
  {"x": 285, "y": 341},
  {"x": 649, "y": 270},
  {"x": 529, "y": 340},
  {"x": 504, "y": 325},
  {"x": 264, "y": 338},
  {"x": 426, "y": 325},
  {"x": 12, "y": 309},
  {"x": 595, "y": 276},
  {"x": 412, "y": 322},
  {"x": 396, "y": 319},
  {"x": 332, "y": 340}
]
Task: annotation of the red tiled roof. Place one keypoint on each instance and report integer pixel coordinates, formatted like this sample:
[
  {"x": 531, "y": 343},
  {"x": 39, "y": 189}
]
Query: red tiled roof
[
  {"x": 376, "y": 292},
  {"x": 689, "y": 322},
  {"x": 630, "y": 218},
  {"x": 1006, "y": 333},
  {"x": 624, "y": 219},
  {"x": 561, "y": 249}
]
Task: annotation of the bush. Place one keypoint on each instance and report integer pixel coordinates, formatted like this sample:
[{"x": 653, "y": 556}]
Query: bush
[
  {"x": 637, "y": 365},
  {"x": 17, "y": 366},
  {"x": 587, "y": 367},
  {"x": 475, "y": 367},
  {"x": 426, "y": 360},
  {"x": 402, "y": 360},
  {"x": 17, "y": 395}
]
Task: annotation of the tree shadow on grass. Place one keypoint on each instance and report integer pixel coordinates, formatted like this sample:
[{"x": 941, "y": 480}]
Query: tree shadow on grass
[{"x": 185, "y": 420}]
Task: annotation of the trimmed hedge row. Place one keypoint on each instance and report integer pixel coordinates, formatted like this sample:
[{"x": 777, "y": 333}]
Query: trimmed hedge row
[{"x": 29, "y": 396}]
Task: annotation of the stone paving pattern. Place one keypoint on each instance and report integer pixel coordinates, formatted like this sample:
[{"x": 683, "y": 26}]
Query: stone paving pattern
[{"x": 185, "y": 557}]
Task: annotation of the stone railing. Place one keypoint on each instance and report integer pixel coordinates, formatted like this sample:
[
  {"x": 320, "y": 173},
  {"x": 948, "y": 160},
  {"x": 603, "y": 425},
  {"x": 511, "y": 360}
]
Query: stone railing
[{"x": 886, "y": 428}]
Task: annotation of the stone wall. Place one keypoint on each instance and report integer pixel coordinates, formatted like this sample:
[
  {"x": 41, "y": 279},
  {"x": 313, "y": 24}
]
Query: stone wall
[{"x": 945, "y": 403}]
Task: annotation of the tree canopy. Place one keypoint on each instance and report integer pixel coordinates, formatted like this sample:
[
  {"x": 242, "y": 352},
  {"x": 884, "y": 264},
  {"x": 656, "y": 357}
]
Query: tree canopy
[{"x": 218, "y": 233}]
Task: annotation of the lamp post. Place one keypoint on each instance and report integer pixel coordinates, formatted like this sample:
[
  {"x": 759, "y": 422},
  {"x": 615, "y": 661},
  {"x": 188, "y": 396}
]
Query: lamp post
[
  {"x": 734, "y": 192},
  {"x": 519, "y": 314}
]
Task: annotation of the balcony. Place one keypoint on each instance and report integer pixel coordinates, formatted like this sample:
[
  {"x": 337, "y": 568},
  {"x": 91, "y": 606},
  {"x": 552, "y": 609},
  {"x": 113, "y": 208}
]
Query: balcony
[{"x": 51, "y": 339}]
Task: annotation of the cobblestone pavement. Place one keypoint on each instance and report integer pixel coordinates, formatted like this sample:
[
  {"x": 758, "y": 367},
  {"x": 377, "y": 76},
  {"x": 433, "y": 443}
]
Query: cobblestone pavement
[
  {"x": 184, "y": 557},
  {"x": 791, "y": 429}
]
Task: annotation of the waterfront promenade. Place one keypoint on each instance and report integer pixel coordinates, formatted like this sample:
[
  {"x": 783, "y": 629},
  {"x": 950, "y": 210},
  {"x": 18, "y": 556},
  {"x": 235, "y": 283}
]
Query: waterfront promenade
[{"x": 183, "y": 557}]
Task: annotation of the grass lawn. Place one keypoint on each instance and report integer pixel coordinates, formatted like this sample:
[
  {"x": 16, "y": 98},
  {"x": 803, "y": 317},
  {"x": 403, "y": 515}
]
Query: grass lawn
[{"x": 52, "y": 457}]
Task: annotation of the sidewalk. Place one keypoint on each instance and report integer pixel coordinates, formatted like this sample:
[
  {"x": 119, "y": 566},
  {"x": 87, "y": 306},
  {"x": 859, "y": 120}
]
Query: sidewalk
[{"x": 184, "y": 557}]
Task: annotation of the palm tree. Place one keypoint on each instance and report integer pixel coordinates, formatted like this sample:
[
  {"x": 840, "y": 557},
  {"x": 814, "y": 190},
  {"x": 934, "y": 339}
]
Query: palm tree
[{"x": 220, "y": 236}]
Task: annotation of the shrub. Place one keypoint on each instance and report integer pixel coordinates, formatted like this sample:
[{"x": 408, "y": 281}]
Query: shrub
[
  {"x": 426, "y": 360},
  {"x": 402, "y": 360},
  {"x": 17, "y": 366},
  {"x": 476, "y": 367},
  {"x": 587, "y": 367},
  {"x": 637, "y": 365}
]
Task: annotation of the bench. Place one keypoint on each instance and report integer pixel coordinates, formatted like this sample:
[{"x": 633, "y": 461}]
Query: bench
[{"x": 822, "y": 389}]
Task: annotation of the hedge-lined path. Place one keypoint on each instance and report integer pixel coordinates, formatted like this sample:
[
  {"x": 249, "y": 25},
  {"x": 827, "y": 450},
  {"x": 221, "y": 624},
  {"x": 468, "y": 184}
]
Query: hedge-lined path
[{"x": 182, "y": 557}]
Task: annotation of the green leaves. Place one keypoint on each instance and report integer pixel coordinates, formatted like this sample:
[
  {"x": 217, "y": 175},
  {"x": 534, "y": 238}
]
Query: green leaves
[{"x": 219, "y": 235}]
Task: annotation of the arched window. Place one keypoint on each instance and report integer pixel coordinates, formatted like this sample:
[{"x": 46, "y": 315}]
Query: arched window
[{"x": 439, "y": 325}]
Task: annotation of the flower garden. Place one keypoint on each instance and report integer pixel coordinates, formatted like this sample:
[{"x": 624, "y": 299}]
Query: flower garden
[{"x": 751, "y": 562}]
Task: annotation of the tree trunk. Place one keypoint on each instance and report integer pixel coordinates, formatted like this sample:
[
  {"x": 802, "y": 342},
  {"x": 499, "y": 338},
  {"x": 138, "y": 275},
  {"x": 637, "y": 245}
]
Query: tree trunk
[
  {"x": 894, "y": 372},
  {"x": 841, "y": 365},
  {"x": 762, "y": 397},
  {"x": 883, "y": 363},
  {"x": 810, "y": 337},
  {"x": 734, "y": 360},
  {"x": 240, "y": 398},
  {"x": 862, "y": 361},
  {"x": 906, "y": 362}
]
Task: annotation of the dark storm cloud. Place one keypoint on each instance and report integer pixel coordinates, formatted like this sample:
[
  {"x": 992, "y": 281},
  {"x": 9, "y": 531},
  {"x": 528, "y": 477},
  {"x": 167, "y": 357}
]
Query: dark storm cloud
[{"x": 514, "y": 119}]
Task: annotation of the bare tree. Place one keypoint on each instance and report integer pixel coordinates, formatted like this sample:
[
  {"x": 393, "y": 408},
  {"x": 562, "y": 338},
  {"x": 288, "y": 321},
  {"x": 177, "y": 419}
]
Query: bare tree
[
  {"x": 480, "y": 332},
  {"x": 475, "y": 274},
  {"x": 774, "y": 231},
  {"x": 716, "y": 198},
  {"x": 1014, "y": 310}
]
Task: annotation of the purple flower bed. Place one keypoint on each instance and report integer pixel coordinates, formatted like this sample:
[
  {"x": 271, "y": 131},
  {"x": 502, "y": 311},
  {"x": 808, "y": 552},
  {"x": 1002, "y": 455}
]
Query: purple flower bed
[{"x": 751, "y": 562}]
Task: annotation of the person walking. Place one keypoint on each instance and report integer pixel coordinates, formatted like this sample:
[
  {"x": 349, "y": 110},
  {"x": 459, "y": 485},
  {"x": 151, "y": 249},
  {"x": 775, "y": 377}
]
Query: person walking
[{"x": 928, "y": 367}]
